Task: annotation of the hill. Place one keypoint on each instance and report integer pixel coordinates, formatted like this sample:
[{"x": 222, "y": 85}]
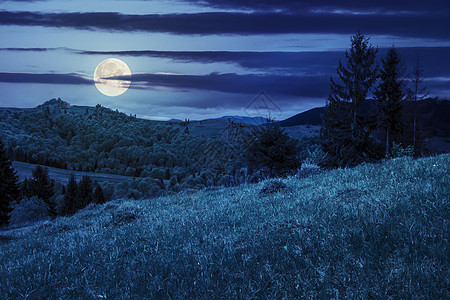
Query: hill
[
  {"x": 375, "y": 231},
  {"x": 309, "y": 117},
  {"x": 99, "y": 140},
  {"x": 245, "y": 120}
]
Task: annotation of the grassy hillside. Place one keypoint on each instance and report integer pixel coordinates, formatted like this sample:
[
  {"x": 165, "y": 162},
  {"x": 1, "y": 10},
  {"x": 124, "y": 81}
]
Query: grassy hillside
[{"x": 373, "y": 231}]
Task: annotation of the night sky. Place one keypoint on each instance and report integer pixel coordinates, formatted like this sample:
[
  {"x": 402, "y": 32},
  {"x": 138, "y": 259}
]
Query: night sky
[{"x": 208, "y": 58}]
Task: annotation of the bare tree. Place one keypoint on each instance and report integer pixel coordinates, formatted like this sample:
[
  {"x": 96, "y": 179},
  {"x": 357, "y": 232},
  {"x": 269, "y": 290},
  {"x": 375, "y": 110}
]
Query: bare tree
[{"x": 417, "y": 92}]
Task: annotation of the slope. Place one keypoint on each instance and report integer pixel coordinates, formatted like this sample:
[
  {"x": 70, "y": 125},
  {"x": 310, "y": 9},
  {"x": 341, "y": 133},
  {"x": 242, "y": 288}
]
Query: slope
[{"x": 375, "y": 231}]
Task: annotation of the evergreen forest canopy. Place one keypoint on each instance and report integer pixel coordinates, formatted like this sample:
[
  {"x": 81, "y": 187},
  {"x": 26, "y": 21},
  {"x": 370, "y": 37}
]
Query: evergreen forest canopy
[{"x": 356, "y": 131}]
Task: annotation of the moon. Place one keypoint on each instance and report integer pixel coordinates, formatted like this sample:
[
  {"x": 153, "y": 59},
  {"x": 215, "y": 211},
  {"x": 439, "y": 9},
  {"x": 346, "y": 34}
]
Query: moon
[{"x": 112, "y": 67}]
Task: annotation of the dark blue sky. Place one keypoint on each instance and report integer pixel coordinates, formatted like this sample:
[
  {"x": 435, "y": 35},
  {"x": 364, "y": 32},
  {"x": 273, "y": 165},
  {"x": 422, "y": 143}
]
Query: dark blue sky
[{"x": 207, "y": 58}]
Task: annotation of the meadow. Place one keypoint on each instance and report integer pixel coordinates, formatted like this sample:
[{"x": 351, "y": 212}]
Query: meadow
[{"x": 373, "y": 231}]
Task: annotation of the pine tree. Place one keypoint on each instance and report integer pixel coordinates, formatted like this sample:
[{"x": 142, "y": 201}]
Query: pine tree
[
  {"x": 42, "y": 186},
  {"x": 389, "y": 95},
  {"x": 85, "y": 192},
  {"x": 270, "y": 147},
  {"x": 345, "y": 130},
  {"x": 26, "y": 189},
  {"x": 9, "y": 187},
  {"x": 70, "y": 197},
  {"x": 99, "y": 196}
]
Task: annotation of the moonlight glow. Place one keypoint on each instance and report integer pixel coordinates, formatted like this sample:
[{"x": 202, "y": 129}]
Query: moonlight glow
[{"x": 106, "y": 71}]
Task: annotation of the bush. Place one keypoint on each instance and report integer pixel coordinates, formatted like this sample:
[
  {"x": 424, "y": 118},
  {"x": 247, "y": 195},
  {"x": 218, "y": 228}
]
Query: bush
[
  {"x": 270, "y": 147},
  {"x": 124, "y": 216},
  {"x": 399, "y": 151},
  {"x": 314, "y": 155},
  {"x": 272, "y": 186},
  {"x": 308, "y": 170},
  {"x": 227, "y": 180},
  {"x": 157, "y": 173},
  {"x": 29, "y": 210}
]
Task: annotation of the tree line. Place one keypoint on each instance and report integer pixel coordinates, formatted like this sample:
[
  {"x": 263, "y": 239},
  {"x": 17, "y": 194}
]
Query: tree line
[
  {"x": 40, "y": 187},
  {"x": 350, "y": 123}
]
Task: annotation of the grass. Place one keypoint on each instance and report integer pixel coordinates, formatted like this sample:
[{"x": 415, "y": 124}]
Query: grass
[{"x": 375, "y": 231}]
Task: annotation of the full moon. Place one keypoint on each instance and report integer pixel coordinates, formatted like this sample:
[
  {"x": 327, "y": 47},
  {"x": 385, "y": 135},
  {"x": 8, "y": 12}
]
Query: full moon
[{"x": 112, "y": 67}]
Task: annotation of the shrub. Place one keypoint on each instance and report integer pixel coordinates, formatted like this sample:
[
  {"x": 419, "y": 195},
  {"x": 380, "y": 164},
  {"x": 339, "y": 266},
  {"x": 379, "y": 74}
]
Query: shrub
[
  {"x": 314, "y": 155},
  {"x": 272, "y": 186},
  {"x": 226, "y": 180},
  {"x": 29, "y": 210},
  {"x": 308, "y": 170},
  {"x": 269, "y": 147},
  {"x": 399, "y": 151},
  {"x": 124, "y": 216}
]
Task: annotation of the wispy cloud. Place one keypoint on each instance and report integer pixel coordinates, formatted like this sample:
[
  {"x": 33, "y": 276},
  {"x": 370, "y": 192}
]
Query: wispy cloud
[
  {"x": 236, "y": 86},
  {"x": 434, "y": 59},
  {"x": 306, "y": 86},
  {"x": 27, "y": 49},
  {"x": 379, "y": 6},
  {"x": 71, "y": 78},
  {"x": 429, "y": 26}
]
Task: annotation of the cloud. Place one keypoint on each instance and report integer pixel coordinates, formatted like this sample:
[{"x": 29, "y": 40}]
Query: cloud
[
  {"x": 232, "y": 90},
  {"x": 21, "y": 0},
  {"x": 27, "y": 49},
  {"x": 331, "y": 5},
  {"x": 234, "y": 85},
  {"x": 434, "y": 59},
  {"x": 284, "y": 62},
  {"x": 214, "y": 23},
  {"x": 307, "y": 86},
  {"x": 44, "y": 78},
  {"x": 304, "y": 86}
]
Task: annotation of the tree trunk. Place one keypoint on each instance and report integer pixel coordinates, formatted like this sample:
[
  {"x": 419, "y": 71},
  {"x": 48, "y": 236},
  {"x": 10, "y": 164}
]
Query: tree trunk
[{"x": 387, "y": 141}]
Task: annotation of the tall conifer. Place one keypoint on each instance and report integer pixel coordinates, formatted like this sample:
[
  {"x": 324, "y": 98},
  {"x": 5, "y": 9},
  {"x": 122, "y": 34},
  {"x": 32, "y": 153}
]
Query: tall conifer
[
  {"x": 42, "y": 186},
  {"x": 345, "y": 130},
  {"x": 70, "y": 197},
  {"x": 390, "y": 95},
  {"x": 99, "y": 196},
  {"x": 85, "y": 192},
  {"x": 9, "y": 187}
]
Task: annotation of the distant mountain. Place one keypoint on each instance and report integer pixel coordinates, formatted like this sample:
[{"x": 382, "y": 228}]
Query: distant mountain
[
  {"x": 175, "y": 121},
  {"x": 433, "y": 114},
  {"x": 311, "y": 117},
  {"x": 245, "y": 120}
]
